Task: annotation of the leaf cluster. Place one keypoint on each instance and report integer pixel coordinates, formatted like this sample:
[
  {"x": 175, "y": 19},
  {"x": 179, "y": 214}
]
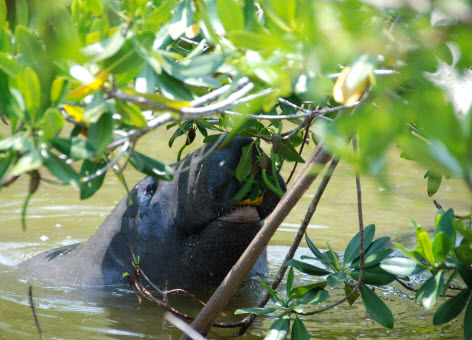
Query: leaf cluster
[{"x": 447, "y": 259}]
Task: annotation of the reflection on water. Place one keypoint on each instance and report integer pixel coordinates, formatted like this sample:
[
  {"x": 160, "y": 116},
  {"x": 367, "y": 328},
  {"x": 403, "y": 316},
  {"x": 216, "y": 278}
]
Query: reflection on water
[{"x": 56, "y": 217}]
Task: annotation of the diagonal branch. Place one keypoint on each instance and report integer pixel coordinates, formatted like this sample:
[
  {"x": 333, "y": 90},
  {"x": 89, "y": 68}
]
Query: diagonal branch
[
  {"x": 222, "y": 295},
  {"x": 248, "y": 321}
]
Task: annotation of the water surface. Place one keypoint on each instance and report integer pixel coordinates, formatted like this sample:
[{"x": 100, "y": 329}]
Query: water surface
[{"x": 57, "y": 217}]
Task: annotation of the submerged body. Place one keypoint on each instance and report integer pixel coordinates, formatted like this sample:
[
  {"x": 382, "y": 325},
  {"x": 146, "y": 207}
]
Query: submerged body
[{"x": 188, "y": 231}]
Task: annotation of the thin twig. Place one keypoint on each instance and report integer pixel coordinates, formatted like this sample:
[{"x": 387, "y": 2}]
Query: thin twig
[
  {"x": 361, "y": 221},
  {"x": 439, "y": 207},
  {"x": 360, "y": 282},
  {"x": 139, "y": 288},
  {"x": 413, "y": 289},
  {"x": 301, "y": 148},
  {"x": 109, "y": 165},
  {"x": 376, "y": 72},
  {"x": 30, "y": 294}
]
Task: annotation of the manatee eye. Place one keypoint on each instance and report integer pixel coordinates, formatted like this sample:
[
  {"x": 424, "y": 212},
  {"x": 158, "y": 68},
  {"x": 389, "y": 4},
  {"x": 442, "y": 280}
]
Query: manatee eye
[{"x": 150, "y": 188}]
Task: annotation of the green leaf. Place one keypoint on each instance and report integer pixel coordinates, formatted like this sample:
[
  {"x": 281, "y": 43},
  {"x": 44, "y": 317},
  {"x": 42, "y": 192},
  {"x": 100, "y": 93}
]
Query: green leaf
[
  {"x": 273, "y": 187},
  {"x": 126, "y": 59},
  {"x": 463, "y": 229},
  {"x": 372, "y": 259},
  {"x": 274, "y": 295},
  {"x": 192, "y": 71},
  {"x": 466, "y": 273},
  {"x": 9, "y": 66},
  {"x": 378, "y": 245},
  {"x": 254, "y": 41},
  {"x": 61, "y": 170},
  {"x": 30, "y": 88},
  {"x": 151, "y": 167},
  {"x": 101, "y": 133},
  {"x": 31, "y": 50},
  {"x": 6, "y": 159},
  {"x": 172, "y": 88},
  {"x": 331, "y": 259},
  {"x": 464, "y": 251},
  {"x": 29, "y": 161},
  {"x": 429, "y": 292},
  {"x": 249, "y": 14},
  {"x": 441, "y": 247},
  {"x": 144, "y": 49},
  {"x": 292, "y": 154},
  {"x": 451, "y": 308},
  {"x": 468, "y": 321},
  {"x": 313, "y": 296},
  {"x": 87, "y": 189},
  {"x": 183, "y": 18},
  {"x": 298, "y": 292},
  {"x": 74, "y": 148},
  {"x": 231, "y": 15},
  {"x": 21, "y": 12},
  {"x": 245, "y": 163},
  {"x": 402, "y": 266},
  {"x": 279, "y": 329},
  {"x": 433, "y": 155},
  {"x": 180, "y": 131},
  {"x": 425, "y": 246},
  {"x": 307, "y": 268},
  {"x": 255, "y": 310},
  {"x": 58, "y": 90},
  {"x": 354, "y": 297},
  {"x": 106, "y": 48},
  {"x": 353, "y": 248},
  {"x": 51, "y": 124},
  {"x": 444, "y": 223},
  {"x": 376, "y": 308},
  {"x": 299, "y": 331},
  {"x": 94, "y": 110},
  {"x": 130, "y": 114},
  {"x": 290, "y": 278},
  {"x": 336, "y": 278},
  {"x": 374, "y": 276},
  {"x": 313, "y": 248},
  {"x": 434, "y": 182},
  {"x": 3, "y": 13}
]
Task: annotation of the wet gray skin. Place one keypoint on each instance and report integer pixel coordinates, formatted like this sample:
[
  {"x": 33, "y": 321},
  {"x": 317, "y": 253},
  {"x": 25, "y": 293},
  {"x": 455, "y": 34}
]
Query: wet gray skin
[{"x": 188, "y": 231}]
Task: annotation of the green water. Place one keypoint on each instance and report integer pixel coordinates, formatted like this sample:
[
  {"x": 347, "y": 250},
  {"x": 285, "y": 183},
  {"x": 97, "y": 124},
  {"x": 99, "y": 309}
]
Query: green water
[{"x": 57, "y": 217}]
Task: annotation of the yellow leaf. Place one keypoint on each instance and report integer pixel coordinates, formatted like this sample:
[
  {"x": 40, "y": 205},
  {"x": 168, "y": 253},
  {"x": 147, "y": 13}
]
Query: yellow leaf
[
  {"x": 87, "y": 88},
  {"x": 75, "y": 112},
  {"x": 344, "y": 94},
  {"x": 158, "y": 99},
  {"x": 192, "y": 31},
  {"x": 256, "y": 202}
]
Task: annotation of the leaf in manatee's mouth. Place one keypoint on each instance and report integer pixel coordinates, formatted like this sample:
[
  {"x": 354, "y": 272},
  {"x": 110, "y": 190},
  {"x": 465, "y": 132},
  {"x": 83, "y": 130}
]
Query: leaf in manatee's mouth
[{"x": 244, "y": 214}]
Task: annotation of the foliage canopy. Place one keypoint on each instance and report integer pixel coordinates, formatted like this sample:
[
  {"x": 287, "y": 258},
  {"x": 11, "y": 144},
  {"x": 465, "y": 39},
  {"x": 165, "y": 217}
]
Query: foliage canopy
[{"x": 82, "y": 80}]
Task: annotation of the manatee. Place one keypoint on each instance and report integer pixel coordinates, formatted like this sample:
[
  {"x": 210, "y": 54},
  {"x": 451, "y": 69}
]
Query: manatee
[{"x": 188, "y": 231}]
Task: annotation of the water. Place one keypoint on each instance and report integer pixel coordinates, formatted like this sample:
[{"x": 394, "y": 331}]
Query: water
[{"x": 57, "y": 217}]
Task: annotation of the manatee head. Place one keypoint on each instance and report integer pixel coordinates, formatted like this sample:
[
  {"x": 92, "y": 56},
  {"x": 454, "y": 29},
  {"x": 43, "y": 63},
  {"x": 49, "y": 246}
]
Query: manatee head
[
  {"x": 188, "y": 231},
  {"x": 191, "y": 230}
]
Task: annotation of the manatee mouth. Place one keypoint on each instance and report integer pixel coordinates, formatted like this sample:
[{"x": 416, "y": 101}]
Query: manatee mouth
[{"x": 244, "y": 214}]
